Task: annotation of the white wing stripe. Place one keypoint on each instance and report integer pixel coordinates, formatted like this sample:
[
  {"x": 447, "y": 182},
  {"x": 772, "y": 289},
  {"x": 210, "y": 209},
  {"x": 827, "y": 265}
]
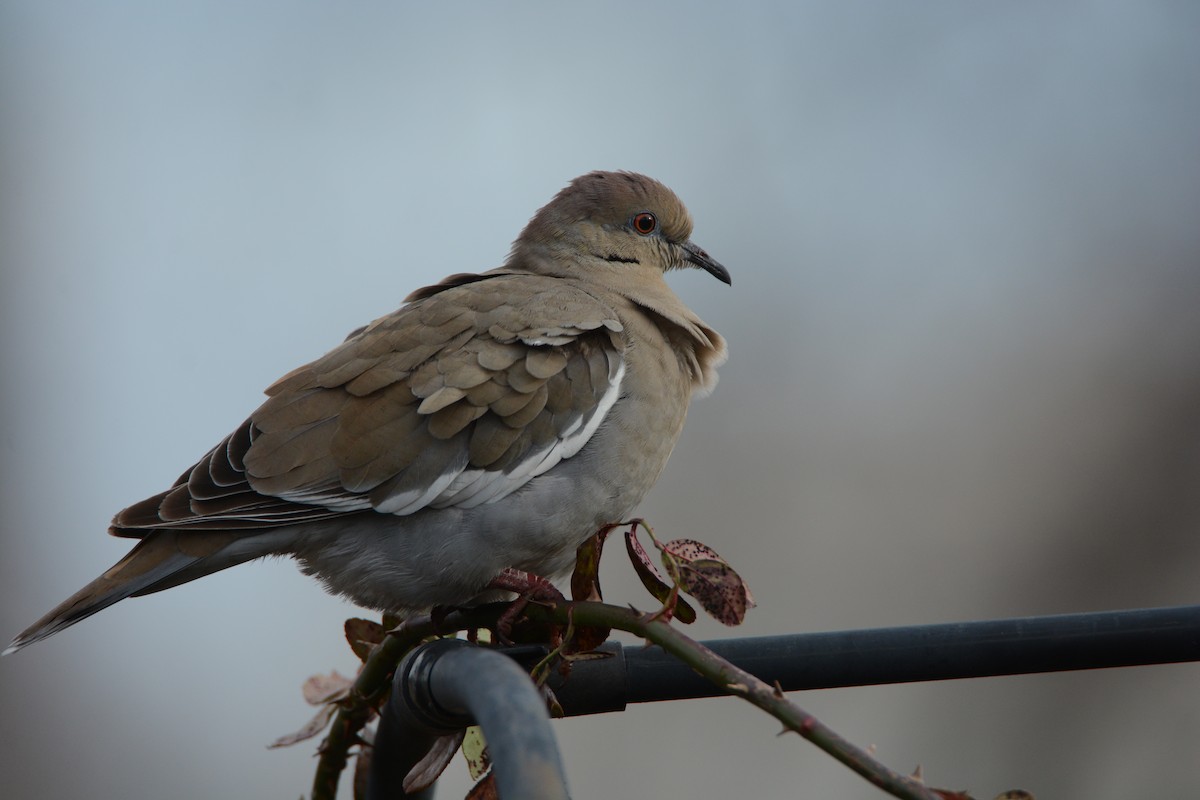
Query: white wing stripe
[
  {"x": 489, "y": 486},
  {"x": 467, "y": 488},
  {"x": 412, "y": 500}
]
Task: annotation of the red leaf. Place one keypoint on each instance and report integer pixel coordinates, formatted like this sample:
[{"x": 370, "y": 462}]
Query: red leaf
[
  {"x": 362, "y": 764},
  {"x": 706, "y": 576},
  {"x": 585, "y": 580},
  {"x": 363, "y": 635},
  {"x": 433, "y": 763},
  {"x": 652, "y": 580},
  {"x": 585, "y": 640},
  {"x": 309, "y": 730},
  {"x": 484, "y": 790},
  {"x": 321, "y": 689}
]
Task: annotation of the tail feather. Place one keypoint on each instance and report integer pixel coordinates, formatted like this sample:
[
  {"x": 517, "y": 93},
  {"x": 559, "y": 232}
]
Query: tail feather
[{"x": 163, "y": 559}]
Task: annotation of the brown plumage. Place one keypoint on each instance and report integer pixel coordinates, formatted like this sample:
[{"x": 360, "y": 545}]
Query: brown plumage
[{"x": 494, "y": 421}]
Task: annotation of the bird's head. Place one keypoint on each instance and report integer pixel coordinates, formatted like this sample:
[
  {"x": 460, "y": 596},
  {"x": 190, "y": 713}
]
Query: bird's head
[{"x": 622, "y": 219}]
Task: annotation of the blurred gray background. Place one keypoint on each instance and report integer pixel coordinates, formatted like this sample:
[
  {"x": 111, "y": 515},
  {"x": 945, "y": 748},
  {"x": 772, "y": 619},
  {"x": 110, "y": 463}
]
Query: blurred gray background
[{"x": 965, "y": 349}]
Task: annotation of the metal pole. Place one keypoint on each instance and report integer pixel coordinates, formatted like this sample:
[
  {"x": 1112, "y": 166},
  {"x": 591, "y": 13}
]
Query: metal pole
[
  {"x": 894, "y": 655},
  {"x": 449, "y": 684}
]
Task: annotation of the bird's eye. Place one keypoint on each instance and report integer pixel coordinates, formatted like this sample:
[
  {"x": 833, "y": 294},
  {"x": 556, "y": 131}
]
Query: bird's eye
[{"x": 645, "y": 223}]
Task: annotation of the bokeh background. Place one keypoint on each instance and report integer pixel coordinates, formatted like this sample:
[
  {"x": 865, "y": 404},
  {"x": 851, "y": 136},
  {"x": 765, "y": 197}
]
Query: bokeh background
[{"x": 964, "y": 329}]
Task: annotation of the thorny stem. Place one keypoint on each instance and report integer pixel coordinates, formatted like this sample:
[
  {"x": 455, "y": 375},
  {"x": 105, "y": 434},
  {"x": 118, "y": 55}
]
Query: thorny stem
[
  {"x": 374, "y": 680},
  {"x": 372, "y": 684},
  {"x": 742, "y": 684}
]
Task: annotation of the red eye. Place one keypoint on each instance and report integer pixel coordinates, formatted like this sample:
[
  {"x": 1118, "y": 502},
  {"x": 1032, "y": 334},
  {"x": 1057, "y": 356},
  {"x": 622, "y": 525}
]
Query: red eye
[{"x": 645, "y": 223}]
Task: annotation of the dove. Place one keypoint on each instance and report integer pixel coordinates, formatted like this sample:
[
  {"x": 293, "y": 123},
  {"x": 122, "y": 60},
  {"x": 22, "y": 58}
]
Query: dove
[{"x": 483, "y": 430}]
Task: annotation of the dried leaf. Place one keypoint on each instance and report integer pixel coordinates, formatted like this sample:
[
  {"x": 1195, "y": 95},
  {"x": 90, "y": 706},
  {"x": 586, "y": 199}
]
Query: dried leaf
[
  {"x": 652, "y": 580},
  {"x": 310, "y": 729},
  {"x": 718, "y": 588},
  {"x": 706, "y": 576},
  {"x": 583, "y": 641},
  {"x": 552, "y": 705},
  {"x": 362, "y": 765},
  {"x": 585, "y": 580},
  {"x": 320, "y": 689},
  {"x": 484, "y": 790},
  {"x": 947, "y": 794},
  {"x": 1014, "y": 794},
  {"x": 363, "y": 635},
  {"x": 590, "y": 655},
  {"x": 433, "y": 763},
  {"x": 474, "y": 748},
  {"x": 640, "y": 558}
]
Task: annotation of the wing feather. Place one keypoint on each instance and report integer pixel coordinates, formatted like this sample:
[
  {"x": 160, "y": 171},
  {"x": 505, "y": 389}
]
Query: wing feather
[{"x": 459, "y": 398}]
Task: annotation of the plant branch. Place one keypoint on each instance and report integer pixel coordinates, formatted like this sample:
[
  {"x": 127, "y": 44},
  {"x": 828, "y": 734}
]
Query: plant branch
[
  {"x": 740, "y": 683},
  {"x": 372, "y": 684},
  {"x": 374, "y": 681}
]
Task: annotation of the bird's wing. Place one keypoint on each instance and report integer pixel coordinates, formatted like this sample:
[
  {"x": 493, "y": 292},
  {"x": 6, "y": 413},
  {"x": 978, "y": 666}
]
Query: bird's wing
[{"x": 457, "y": 399}]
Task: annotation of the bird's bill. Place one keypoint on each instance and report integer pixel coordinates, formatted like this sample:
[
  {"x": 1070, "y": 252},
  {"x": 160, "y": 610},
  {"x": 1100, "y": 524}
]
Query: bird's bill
[{"x": 695, "y": 255}]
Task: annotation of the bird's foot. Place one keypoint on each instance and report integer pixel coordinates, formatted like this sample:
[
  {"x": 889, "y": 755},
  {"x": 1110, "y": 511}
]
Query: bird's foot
[{"x": 529, "y": 588}]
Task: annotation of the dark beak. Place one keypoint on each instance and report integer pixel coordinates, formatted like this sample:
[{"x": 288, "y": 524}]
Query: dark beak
[{"x": 696, "y": 256}]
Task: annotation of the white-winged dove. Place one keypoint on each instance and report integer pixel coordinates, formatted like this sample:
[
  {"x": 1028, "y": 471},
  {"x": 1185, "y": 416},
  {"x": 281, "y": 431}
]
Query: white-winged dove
[{"x": 492, "y": 423}]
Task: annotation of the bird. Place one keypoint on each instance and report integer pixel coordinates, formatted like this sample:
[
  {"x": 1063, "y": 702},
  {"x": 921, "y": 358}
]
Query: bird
[{"x": 487, "y": 427}]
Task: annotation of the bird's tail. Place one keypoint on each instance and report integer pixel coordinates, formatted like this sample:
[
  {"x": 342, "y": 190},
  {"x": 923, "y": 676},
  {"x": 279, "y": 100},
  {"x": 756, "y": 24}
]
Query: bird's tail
[{"x": 163, "y": 559}]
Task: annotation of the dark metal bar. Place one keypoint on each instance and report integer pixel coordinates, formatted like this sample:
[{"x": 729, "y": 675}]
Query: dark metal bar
[
  {"x": 449, "y": 684},
  {"x": 896, "y": 655},
  {"x": 445, "y": 685},
  {"x": 401, "y": 741}
]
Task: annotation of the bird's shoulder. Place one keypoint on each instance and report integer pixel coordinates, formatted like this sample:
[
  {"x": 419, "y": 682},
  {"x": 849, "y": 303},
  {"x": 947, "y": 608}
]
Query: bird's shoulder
[{"x": 498, "y": 313}]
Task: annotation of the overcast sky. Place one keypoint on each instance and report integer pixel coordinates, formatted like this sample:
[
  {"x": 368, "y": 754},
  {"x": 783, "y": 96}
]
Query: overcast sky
[{"x": 964, "y": 378}]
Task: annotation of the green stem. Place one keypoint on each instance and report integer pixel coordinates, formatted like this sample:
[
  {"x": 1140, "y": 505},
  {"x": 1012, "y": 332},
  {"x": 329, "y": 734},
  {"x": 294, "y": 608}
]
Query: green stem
[
  {"x": 372, "y": 684},
  {"x": 374, "y": 681},
  {"x": 742, "y": 684}
]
